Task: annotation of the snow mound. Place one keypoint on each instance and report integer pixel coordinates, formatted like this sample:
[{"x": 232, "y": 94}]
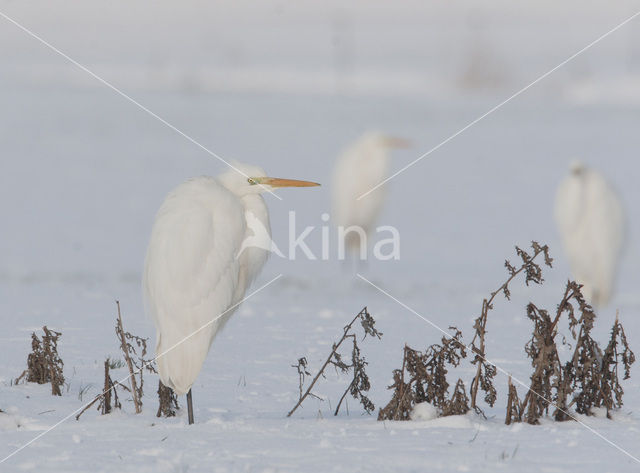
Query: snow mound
[
  {"x": 9, "y": 421},
  {"x": 424, "y": 411}
]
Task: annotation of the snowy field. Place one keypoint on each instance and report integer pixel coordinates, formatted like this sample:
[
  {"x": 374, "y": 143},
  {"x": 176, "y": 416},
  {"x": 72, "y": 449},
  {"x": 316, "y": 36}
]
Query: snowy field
[{"x": 286, "y": 86}]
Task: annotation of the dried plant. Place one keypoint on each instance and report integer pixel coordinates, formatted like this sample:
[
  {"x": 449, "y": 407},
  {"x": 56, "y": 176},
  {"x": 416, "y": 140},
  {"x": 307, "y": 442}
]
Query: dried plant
[
  {"x": 360, "y": 382},
  {"x": 403, "y": 399},
  {"x": 110, "y": 393},
  {"x": 301, "y": 366},
  {"x": 610, "y": 384},
  {"x": 108, "y": 398},
  {"x": 136, "y": 363},
  {"x": 423, "y": 378},
  {"x": 485, "y": 371},
  {"x": 514, "y": 406},
  {"x": 44, "y": 364},
  {"x": 589, "y": 379},
  {"x": 582, "y": 372},
  {"x": 544, "y": 358},
  {"x": 594, "y": 373},
  {"x": 459, "y": 402},
  {"x": 168, "y": 401}
]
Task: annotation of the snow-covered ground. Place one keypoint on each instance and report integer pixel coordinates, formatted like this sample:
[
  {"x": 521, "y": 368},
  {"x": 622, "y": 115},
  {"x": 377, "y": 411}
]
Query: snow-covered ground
[{"x": 286, "y": 85}]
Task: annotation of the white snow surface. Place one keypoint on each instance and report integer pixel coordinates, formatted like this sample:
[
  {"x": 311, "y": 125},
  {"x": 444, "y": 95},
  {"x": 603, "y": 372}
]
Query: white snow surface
[{"x": 285, "y": 85}]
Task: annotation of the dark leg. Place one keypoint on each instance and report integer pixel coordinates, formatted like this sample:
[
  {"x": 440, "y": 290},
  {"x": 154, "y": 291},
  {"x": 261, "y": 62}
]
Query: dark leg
[{"x": 190, "y": 407}]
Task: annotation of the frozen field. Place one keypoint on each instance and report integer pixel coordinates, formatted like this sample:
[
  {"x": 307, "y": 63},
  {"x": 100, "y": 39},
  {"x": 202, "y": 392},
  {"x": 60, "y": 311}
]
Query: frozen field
[{"x": 83, "y": 172}]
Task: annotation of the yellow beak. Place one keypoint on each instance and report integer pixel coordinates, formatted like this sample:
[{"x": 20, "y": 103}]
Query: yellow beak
[
  {"x": 400, "y": 143},
  {"x": 277, "y": 182}
]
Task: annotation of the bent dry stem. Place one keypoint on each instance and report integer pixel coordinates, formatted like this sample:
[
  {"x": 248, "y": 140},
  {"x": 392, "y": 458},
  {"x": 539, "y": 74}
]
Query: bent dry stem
[
  {"x": 485, "y": 371},
  {"x": 360, "y": 381}
]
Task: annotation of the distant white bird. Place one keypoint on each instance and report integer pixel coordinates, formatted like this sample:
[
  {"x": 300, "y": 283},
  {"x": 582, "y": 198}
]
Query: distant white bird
[
  {"x": 590, "y": 218},
  {"x": 194, "y": 269},
  {"x": 360, "y": 168}
]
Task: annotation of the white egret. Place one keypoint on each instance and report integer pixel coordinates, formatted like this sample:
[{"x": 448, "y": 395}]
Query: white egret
[
  {"x": 361, "y": 167},
  {"x": 590, "y": 218},
  {"x": 195, "y": 273}
]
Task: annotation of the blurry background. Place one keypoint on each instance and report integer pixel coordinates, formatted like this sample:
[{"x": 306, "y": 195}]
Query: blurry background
[{"x": 286, "y": 85}]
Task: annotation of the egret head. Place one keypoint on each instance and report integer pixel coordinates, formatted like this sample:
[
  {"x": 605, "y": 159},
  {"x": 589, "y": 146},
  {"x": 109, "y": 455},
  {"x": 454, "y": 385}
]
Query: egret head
[
  {"x": 577, "y": 167},
  {"x": 245, "y": 179},
  {"x": 382, "y": 140}
]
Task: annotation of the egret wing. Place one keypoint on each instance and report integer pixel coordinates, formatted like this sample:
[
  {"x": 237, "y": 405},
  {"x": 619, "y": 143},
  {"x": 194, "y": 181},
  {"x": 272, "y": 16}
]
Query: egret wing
[{"x": 191, "y": 275}]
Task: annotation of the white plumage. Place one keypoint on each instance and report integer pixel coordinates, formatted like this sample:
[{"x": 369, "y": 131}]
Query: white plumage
[
  {"x": 590, "y": 218},
  {"x": 194, "y": 270},
  {"x": 361, "y": 167}
]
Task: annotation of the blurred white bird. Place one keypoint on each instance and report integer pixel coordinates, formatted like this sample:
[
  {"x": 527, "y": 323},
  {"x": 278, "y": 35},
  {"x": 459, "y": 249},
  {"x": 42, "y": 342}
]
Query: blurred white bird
[
  {"x": 590, "y": 218},
  {"x": 194, "y": 271},
  {"x": 361, "y": 167}
]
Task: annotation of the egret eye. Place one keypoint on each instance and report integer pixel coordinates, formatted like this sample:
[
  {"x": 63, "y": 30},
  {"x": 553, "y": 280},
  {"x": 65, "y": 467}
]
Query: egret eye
[{"x": 252, "y": 181}]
